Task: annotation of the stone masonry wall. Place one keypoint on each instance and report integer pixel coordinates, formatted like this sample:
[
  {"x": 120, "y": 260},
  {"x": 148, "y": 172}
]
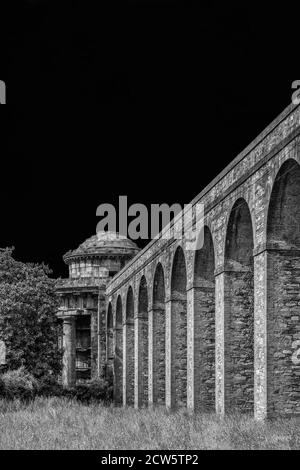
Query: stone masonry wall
[
  {"x": 142, "y": 325},
  {"x": 118, "y": 366},
  {"x": 250, "y": 177},
  {"x": 246, "y": 164},
  {"x": 129, "y": 363},
  {"x": 239, "y": 342},
  {"x": 179, "y": 352},
  {"x": 159, "y": 354},
  {"x": 98, "y": 337},
  {"x": 204, "y": 348},
  {"x": 110, "y": 351},
  {"x": 283, "y": 331}
]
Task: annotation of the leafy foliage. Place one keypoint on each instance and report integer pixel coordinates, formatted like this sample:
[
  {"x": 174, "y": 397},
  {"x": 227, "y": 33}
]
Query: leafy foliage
[
  {"x": 28, "y": 324},
  {"x": 94, "y": 390},
  {"x": 20, "y": 384}
]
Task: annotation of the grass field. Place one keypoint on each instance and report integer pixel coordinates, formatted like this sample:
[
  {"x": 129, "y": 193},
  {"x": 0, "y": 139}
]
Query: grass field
[{"x": 61, "y": 424}]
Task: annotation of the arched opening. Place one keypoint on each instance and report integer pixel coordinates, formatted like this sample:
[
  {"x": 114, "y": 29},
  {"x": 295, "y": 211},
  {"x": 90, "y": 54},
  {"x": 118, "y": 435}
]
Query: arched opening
[
  {"x": 129, "y": 338},
  {"x": 142, "y": 346},
  {"x": 239, "y": 310},
  {"x": 178, "y": 331},
  {"x": 204, "y": 325},
  {"x": 159, "y": 337},
  {"x": 118, "y": 356},
  {"x": 109, "y": 341},
  {"x": 283, "y": 268}
]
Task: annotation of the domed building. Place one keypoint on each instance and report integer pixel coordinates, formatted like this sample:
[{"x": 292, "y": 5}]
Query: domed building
[{"x": 82, "y": 302}]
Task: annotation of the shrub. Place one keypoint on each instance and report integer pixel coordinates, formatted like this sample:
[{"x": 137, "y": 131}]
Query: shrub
[
  {"x": 95, "y": 390},
  {"x": 18, "y": 383},
  {"x": 21, "y": 384},
  {"x": 49, "y": 387},
  {"x": 28, "y": 324}
]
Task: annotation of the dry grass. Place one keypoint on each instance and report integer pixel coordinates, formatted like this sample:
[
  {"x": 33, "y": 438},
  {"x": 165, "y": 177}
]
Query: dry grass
[{"x": 62, "y": 424}]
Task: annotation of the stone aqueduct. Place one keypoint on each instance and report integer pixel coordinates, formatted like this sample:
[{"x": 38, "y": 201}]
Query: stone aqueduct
[{"x": 219, "y": 328}]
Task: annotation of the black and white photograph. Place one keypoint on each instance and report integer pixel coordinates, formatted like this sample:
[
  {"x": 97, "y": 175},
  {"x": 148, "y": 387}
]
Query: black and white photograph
[{"x": 150, "y": 229}]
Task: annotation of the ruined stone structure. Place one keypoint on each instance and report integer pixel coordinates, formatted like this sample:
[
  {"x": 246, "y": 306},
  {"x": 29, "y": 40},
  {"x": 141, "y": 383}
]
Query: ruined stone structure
[
  {"x": 217, "y": 328},
  {"x": 83, "y": 307}
]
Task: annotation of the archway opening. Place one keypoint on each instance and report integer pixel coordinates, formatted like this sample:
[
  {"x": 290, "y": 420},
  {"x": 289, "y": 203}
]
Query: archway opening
[
  {"x": 178, "y": 331},
  {"x": 118, "y": 356},
  {"x": 142, "y": 331},
  {"x": 283, "y": 268},
  {"x": 159, "y": 337},
  {"x": 204, "y": 325},
  {"x": 239, "y": 311},
  {"x": 129, "y": 335}
]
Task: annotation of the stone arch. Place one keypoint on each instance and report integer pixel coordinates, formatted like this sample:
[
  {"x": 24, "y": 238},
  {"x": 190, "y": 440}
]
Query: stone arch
[
  {"x": 204, "y": 325},
  {"x": 129, "y": 348},
  {"x": 159, "y": 336},
  {"x": 283, "y": 230},
  {"x": 283, "y": 284},
  {"x": 239, "y": 310},
  {"x": 109, "y": 340},
  {"x": 142, "y": 344},
  {"x": 178, "y": 331},
  {"x": 118, "y": 356}
]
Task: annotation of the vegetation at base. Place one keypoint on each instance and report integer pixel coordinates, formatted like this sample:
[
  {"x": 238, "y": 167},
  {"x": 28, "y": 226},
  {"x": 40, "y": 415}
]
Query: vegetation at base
[
  {"x": 28, "y": 324},
  {"x": 61, "y": 423},
  {"x": 20, "y": 384}
]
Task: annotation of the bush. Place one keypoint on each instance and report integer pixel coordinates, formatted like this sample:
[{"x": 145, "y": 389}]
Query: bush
[
  {"x": 18, "y": 384},
  {"x": 95, "y": 390},
  {"x": 28, "y": 324},
  {"x": 21, "y": 384},
  {"x": 49, "y": 387}
]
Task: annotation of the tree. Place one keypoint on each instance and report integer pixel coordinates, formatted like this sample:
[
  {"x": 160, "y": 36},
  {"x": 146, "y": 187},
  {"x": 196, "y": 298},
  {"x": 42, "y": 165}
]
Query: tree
[{"x": 28, "y": 324}]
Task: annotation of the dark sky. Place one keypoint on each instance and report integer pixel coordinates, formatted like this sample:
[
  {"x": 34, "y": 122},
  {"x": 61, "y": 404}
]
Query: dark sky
[{"x": 145, "y": 99}]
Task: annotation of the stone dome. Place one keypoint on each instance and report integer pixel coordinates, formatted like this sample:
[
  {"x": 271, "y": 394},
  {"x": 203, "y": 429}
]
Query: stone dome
[{"x": 103, "y": 244}]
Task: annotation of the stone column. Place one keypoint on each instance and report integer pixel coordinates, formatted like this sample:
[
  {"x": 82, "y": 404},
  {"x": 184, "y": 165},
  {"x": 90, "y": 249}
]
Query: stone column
[
  {"x": 277, "y": 330},
  {"x": 69, "y": 351},
  {"x": 128, "y": 363},
  {"x": 157, "y": 354},
  {"x": 260, "y": 335},
  {"x": 150, "y": 359},
  {"x": 191, "y": 349},
  {"x": 101, "y": 334},
  {"x": 118, "y": 365},
  {"x": 124, "y": 369},
  {"x": 234, "y": 339},
  {"x": 94, "y": 343},
  {"x": 169, "y": 388},
  {"x": 201, "y": 347},
  {"x": 220, "y": 343},
  {"x": 141, "y": 360},
  {"x": 137, "y": 363}
]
